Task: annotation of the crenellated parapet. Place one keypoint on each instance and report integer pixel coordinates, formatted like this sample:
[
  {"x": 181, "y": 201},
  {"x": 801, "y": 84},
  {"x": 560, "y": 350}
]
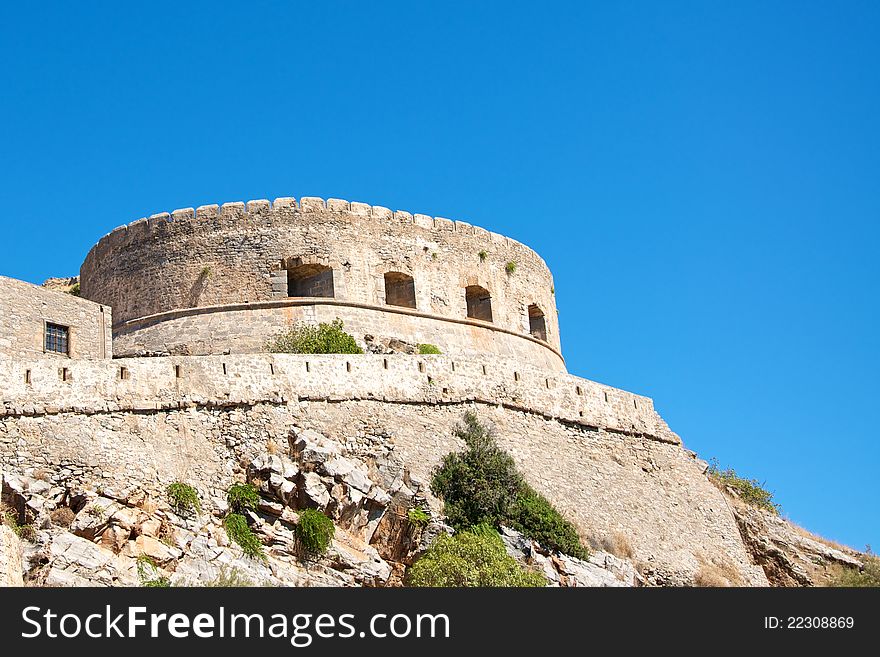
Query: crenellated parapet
[
  {"x": 35, "y": 388},
  {"x": 360, "y": 255}
]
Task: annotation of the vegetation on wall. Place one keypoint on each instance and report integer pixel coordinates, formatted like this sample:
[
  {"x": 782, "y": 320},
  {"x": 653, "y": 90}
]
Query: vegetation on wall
[
  {"x": 750, "y": 491},
  {"x": 183, "y": 498},
  {"x": 510, "y": 267},
  {"x": 483, "y": 255},
  {"x": 74, "y": 290},
  {"x": 482, "y": 485},
  {"x": 475, "y": 557},
  {"x": 426, "y": 349},
  {"x": 311, "y": 339}
]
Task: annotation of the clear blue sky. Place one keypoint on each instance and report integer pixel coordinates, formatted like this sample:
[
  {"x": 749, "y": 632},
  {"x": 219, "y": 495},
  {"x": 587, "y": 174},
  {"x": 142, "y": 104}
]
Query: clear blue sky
[{"x": 703, "y": 178}]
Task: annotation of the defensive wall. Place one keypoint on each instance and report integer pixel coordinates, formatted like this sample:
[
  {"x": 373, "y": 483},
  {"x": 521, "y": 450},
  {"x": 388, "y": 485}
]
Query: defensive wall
[
  {"x": 601, "y": 455},
  {"x": 224, "y": 279}
]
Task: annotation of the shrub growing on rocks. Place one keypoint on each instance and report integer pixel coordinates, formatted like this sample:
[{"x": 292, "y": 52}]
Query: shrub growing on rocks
[
  {"x": 310, "y": 339},
  {"x": 183, "y": 498},
  {"x": 148, "y": 574},
  {"x": 417, "y": 516},
  {"x": 868, "y": 576},
  {"x": 482, "y": 485},
  {"x": 476, "y": 557},
  {"x": 539, "y": 520},
  {"x": 242, "y": 497},
  {"x": 314, "y": 532},
  {"x": 238, "y": 530},
  {"x": 750, "y": 491},
  {"x": 426, "y": 349}
]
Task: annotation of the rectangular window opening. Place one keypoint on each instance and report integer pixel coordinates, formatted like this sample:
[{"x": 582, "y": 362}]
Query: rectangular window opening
[
  {"x": 421, "y": 366},
  {"x": 385, "y": 363},
  {"x": 578, "y": 391},
  {"x": 177, "y": 371},
  {"x": 27, "y": 377},
  {"x": 272, "y": 369},
  {"x": 123, "y": 373},
  {"x": 65, "y": 374},
  {"x": 224, "y": 369},
  {"x": 308, "y": 368},
  {"x": 516, "y": 376},
  {"x": 348, "y": 367},
  {"x": 57, "y": 339}
]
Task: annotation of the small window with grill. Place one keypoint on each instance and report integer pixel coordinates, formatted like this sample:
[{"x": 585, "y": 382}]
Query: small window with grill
[{"x": 57, "y": 338}]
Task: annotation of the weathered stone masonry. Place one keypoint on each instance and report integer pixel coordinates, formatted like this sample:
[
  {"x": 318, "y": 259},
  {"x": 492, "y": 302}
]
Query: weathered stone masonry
[
  {"x": 220, "y": 258},
  {"x": 612, "y": 466},
  {"x": 25, "y": 309}
]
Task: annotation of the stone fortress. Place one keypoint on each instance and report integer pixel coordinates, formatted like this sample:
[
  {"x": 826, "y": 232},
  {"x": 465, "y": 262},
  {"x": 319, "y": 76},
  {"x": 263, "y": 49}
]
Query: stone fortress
[{"x": 192, "y": 297}]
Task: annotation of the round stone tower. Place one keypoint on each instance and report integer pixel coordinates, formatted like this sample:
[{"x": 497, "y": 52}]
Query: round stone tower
[{"x": 225, "y": 279}]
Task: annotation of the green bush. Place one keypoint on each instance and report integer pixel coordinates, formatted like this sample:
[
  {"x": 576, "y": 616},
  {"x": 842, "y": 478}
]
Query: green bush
[
  {"x": 183, "y": 498},
  {"x": 750, "y": 491},
  {"x": 314, "y": 532},
  {"x": 238, "y": 530},
  {"x": 74, "y": 290},
  {"x": 539, "y": 520},
  {"x": 868, "y": 576},
  {"x": 482, "y": 485},
  {"x": 148, "y": 574},
  {"x": 483, "y": 255},
  {"x": 417, "y": 516},
  {"x": 242, "y": 497},
  {"x": 470, "y": 558},
  {"x": 510, "y": 267},
  {"x": 310, "y": 339},
  {"x": 428, "y": 349}
]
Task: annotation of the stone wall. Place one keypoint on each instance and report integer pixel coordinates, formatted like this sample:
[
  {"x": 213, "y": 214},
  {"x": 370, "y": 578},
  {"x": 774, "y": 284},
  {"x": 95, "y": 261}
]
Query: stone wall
[
  {"x": 239, "y": 253},
  {"x": 652, "y": 492},
  {"x": 142, "y": 384},
  {"x": 25, "y": 309},
  {"x": 246, "y": 328}
]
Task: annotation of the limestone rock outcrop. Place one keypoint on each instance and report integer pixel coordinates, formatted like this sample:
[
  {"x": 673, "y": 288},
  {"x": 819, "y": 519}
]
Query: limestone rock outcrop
[
  {"x": 789, "y": 555},
  {"x": 104, "y": 537}
]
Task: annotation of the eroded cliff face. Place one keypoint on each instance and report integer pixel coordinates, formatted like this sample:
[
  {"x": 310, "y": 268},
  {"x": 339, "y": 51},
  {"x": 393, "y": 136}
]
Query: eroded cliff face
[
  {"x": 86, "y": 536},
  {"x": 789, "y": 555}
]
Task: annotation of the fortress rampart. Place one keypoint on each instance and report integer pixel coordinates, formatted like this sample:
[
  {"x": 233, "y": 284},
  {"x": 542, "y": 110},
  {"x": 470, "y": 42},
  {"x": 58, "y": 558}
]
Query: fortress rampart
[
  {"x": 33, "y": 387},
  {"x": 254, "y": 268}
]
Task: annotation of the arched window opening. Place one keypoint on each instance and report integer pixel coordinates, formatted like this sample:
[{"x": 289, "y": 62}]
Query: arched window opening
[
  {"x": 479, "y": 303},
  {"x": 537, "y": 325},
  {"x": 309, "y": 280},
  {"x": 400, "y": 289}
]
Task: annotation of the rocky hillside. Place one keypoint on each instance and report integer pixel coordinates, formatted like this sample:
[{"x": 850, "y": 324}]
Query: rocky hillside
[
  {"x": 105, "y": 537},
  {"x": 789, "y": 555}
]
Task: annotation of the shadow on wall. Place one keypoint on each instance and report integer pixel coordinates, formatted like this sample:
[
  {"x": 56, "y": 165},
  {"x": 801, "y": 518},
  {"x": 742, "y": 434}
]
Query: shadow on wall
[{"x": 199, "y": 287}]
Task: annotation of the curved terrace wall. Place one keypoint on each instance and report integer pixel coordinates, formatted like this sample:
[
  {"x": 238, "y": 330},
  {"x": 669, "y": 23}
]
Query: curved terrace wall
[{"x": 240, "y": 253}]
